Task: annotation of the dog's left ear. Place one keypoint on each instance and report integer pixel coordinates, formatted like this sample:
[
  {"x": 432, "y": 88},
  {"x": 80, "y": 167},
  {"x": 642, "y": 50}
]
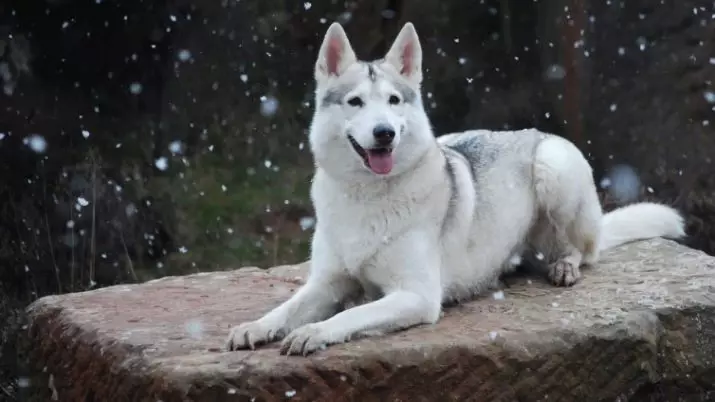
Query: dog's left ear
[{"x": 406, "y": 54}]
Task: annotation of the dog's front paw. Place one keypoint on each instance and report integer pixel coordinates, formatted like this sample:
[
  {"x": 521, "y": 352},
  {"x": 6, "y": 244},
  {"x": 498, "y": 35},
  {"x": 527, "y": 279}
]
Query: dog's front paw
[
  {"x": 309, "y": 338},
  {"x": 250, "y": 334},
  {"x": 564, "y": 273}
]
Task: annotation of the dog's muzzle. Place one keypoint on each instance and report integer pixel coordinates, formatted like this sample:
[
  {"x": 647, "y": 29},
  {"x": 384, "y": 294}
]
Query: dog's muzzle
[{"x": 378, "y": 159}]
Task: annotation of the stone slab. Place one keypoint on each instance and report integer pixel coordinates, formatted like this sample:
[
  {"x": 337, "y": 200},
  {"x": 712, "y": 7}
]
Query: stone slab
[{"x": 643, "y": 318}]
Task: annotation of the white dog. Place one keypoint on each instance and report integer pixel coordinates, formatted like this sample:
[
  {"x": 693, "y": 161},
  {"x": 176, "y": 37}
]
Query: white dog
[{"x": 411, "y": 222}]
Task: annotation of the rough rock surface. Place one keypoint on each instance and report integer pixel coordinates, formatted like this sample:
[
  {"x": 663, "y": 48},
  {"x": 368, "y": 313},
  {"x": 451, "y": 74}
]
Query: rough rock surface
[{"x": 639, "y": 326}]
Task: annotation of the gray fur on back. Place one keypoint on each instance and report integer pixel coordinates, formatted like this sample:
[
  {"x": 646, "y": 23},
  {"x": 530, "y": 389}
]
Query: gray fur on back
[{"x": 512, "y": 152}]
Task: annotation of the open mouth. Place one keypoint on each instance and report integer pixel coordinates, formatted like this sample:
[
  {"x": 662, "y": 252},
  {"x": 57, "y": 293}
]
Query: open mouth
[{"x": 378, "y": 159}]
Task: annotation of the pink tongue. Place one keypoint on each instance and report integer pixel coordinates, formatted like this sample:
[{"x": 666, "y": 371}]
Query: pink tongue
[{"x": 380, "y": 163}]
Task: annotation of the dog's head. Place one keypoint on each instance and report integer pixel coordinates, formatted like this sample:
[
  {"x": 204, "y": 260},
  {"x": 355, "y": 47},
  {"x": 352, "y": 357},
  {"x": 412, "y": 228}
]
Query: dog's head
[{"x": 369, "y": 118}]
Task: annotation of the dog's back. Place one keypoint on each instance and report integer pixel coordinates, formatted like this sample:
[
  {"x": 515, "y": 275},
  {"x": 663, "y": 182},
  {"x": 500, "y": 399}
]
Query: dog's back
[{"x": 486, "y": 150}]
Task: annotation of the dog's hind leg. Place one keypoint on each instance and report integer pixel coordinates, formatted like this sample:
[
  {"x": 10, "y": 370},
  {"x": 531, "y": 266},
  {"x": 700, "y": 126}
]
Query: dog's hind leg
[{"x": 568, "y": 228}]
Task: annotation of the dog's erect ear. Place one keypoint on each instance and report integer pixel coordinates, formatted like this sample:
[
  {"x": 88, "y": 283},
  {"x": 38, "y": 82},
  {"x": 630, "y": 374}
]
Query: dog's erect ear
[
  {"x": 406, "y": 54},
  {"x": 335, "y": 54}
]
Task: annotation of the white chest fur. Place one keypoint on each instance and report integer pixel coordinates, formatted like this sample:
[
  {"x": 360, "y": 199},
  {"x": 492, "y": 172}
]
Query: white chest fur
[{"x": 362, "y": 220}]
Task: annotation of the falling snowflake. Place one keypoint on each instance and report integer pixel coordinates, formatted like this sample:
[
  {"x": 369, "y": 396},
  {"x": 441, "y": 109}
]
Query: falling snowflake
[
  {"x": 161, "y": 163},
  {"x": 642, "y": 42},
  {"x": 515, "y": 260},
  {"x": 135, "y": 88},
  {"x": 176, "y": 147},
  {"x": 36, "y": 143},
  {"x": 622, "y": 183},
  {"x": 195, "y": 328},
  {"x": 183, "y": 55},
  {"x": 269, "y": 105},
  {"x": 555, "y": 72}
]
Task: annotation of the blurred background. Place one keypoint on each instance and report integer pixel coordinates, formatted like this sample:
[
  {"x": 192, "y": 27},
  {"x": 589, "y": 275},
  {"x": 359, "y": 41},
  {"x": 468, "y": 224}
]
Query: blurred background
[{"x": 140, "y": 139}]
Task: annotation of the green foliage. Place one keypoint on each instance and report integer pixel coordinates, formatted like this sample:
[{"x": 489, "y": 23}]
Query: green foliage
[{"x": 228, "y": 218}]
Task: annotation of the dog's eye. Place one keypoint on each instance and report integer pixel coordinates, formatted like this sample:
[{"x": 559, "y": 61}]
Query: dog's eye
[
  {"x": 394, "y": 100},
  {"x": 355, "y": 101}
]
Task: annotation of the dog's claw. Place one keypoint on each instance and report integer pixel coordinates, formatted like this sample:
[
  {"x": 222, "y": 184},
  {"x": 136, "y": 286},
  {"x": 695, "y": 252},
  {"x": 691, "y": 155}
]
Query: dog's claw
[
  {"x": 249, "y": 335},
  {"x": 306, "y": 340}
]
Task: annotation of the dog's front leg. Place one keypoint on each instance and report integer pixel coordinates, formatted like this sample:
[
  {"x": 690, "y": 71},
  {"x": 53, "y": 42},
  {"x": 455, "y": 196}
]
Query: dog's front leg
[
  {"x": 408, "y": 273},
  {"x": 327, "y": 287}
]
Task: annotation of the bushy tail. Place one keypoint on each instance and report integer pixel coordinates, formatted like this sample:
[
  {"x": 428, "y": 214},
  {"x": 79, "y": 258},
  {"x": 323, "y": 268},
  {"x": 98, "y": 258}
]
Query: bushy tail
[{"x": 640, "y": 221}]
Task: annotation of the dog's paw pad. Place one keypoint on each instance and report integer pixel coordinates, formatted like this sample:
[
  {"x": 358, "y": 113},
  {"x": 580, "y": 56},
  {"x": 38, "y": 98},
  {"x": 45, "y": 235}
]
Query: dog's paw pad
[{"x": 564, "y": 273}]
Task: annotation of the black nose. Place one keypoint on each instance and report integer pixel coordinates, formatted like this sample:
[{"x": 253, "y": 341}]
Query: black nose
[{"x": 383, "y": 134}]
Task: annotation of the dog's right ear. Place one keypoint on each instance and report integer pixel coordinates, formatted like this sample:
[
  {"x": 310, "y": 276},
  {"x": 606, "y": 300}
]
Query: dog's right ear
[
  {"x": 405, "y": 54},
  {"x": 335, "y": 54}
]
